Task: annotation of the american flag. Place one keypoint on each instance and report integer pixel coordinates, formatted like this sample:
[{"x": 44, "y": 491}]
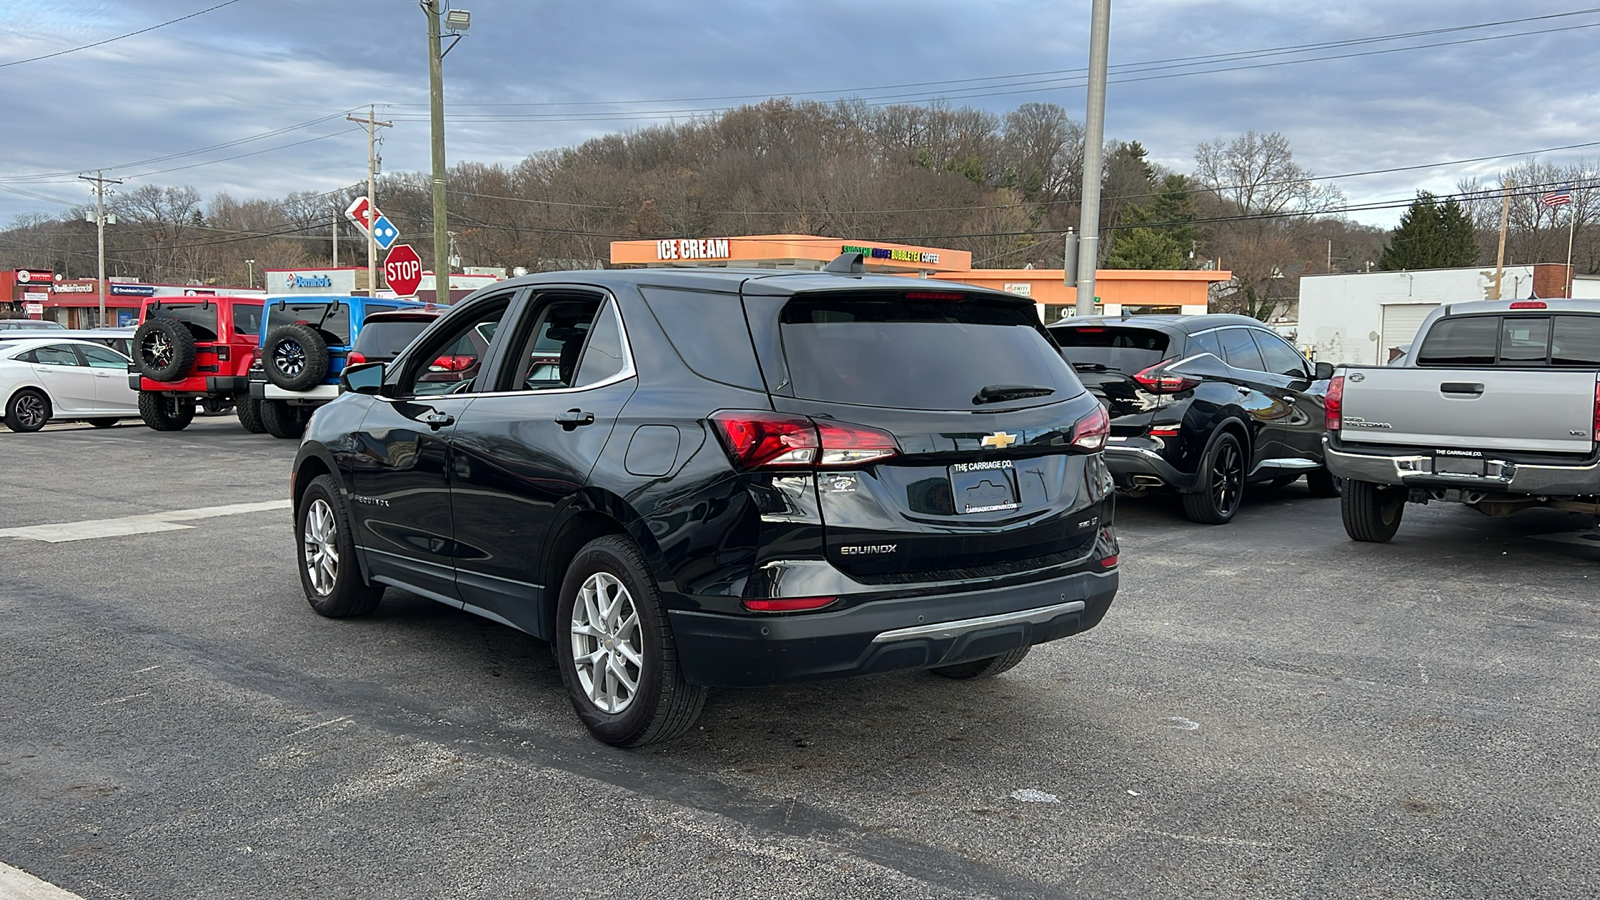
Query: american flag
[{"x": 1557, "y": 198}]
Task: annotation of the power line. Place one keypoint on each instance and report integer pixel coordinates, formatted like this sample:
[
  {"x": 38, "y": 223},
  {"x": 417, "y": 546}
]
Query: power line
[{"x": 18, "y": 62}]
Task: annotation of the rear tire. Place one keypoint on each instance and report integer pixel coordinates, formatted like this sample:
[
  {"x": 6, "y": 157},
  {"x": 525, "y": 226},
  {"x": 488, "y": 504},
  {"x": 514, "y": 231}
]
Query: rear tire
[
  {"x": 614, "y": 644},
  {"x": 163, "y": 349},
  {"x": 164, "y": 412},
  {"x": 281, "y": 420},
  {"x": 27, "y": 410},
  {"x": 248, "y": 409},
  {"x": 1372, "y": 513},
  {"x": 102, "y": 423},
  {"x": 982, "y": 668},
  {"x": 1324, "y": 483},
  {"x": 330, "y": 575},
  {"x": 1220, "y": 488},
  {"x": 296, "y": 357}
]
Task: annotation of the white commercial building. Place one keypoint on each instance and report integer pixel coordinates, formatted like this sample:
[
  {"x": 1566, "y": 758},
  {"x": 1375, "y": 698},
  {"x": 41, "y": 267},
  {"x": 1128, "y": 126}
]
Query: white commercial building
[{"x": 1367, "y": 317}]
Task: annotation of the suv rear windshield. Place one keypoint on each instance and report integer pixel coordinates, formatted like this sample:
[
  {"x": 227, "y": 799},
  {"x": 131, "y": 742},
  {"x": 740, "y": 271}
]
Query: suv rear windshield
[
  {"x": 201, "y": 320},
  {"x": 385, "y": 338},
  {"x": 1513, "y": 340},
  {"x": 332, "y": 322},
  {"x": 1116, "y": 348},
  {"x": 917, "y": 354}
]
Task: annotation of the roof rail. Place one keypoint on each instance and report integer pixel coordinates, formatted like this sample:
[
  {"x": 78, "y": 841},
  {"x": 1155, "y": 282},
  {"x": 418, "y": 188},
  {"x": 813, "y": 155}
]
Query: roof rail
[{"x": 846, "y": 264}]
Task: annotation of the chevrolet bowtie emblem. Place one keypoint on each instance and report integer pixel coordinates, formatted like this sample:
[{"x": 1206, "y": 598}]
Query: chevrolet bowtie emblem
[{"x": 999, "y": 440}]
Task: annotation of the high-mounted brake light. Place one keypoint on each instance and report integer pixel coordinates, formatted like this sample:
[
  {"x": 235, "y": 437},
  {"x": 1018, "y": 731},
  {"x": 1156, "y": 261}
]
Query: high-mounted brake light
[
  {"x": 788, "y": 604},
  {"x": 1090, "y": 330},
  {"x": 1333, "y": 403},
  {"x": 932, "y": 295},
  {"x": 1089, "y": 433},
  {"x": 1156, "y": 383},
  {"x": 1529, "y": 304},
  {"x": 757, "y": 440}
]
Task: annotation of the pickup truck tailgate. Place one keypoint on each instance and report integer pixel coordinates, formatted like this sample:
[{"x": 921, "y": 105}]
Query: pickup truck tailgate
[{"x": 1536, "y": 411}]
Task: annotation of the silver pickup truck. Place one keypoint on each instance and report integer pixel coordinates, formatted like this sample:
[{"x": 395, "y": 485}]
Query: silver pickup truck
[{"x": 1496, "y": 406}]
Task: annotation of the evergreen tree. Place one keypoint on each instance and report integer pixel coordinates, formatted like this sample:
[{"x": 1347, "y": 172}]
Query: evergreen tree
[
  {"x": 1165, "y": 234},
  {"x": 1431, "y": 235}
]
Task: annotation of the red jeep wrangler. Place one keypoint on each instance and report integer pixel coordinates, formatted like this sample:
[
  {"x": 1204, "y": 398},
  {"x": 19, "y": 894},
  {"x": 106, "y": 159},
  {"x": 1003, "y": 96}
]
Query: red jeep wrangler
[{"x": 194, "y": 348}]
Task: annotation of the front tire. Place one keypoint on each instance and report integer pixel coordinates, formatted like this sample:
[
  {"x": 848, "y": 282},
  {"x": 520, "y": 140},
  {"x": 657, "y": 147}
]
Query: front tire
[
  {"x": 1220, "y": 489},
  {"x": 614, "y": 643},
  {"x": 165, "y": 413},
  {"x": 248, "y": 409},
  {"x": 103, "y": 423},
  {"x": 329, "y": 572},
  {"x": 983, "y": 668},
  {"x": 27, "y": 410},
  {"x": 281, "y": 420},
  {"x": 1372, "y": 513}
]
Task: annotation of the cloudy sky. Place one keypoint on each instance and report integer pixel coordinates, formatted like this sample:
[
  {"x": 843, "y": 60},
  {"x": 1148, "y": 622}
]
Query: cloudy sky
[{"x": 249, "y": 97}]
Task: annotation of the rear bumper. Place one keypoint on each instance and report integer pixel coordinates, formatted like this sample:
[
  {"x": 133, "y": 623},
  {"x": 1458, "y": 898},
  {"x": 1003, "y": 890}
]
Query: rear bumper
[
  {"x": 1141, "y": 456},
  {"x": 885, "y": 635},
  {"x": 266, "y": 390},
  {"x": 211, "y": 384},
  {"x": 1501, "y": 476}
]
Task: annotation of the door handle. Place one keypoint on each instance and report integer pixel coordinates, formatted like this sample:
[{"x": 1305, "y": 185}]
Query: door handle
[
  {"x": 572, "y": 418},
  {"x": 1461, "y": 387},
  {"x": 437, "y": 420}
]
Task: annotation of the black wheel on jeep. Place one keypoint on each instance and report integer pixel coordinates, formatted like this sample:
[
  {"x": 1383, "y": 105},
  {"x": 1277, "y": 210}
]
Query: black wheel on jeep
[
  {"x": 281, "y": 420},
  {"x": 248, "y": 409},
  {"x": 615, "y": 648},
  {"x": 163, "y": 349},
  {"x": 165, "y": 412},
  {"x": 1371, "y": 512},
  {"x": 296, "y": 357},
  {"x": 1220, "y": 488},
  {"x": 983, "y": 668},
  {"x": 329, "y": 572}
]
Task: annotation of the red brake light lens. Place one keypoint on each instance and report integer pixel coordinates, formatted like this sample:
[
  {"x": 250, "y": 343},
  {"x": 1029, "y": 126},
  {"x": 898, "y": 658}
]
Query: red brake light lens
[
  {"x": 760, "y": 440},
  {"x": 1529, "y": 304},
  {"x": 1597, "y": 409},
  {"x": 452, "y": 363},
  {"x": 1089, "y": 433},
  {"x": 1333, "y": 403},
  {"x": 1154, "y": 382},
  {"x": 354, "y": 358},
  {"x": 847, "y": 445},
  {"x": 932, "y": 295},
  {"x": 788, "y": 604}
]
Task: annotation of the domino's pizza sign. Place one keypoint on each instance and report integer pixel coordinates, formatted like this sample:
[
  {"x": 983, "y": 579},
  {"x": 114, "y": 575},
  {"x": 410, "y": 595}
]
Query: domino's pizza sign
[{"x": 301, "y": 281}]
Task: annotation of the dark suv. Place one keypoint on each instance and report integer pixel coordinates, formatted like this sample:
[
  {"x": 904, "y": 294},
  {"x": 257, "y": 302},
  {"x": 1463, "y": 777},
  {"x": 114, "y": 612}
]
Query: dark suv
[
  {"x": 1255, "y": 415},
  {"x": 727, "y": 478}
]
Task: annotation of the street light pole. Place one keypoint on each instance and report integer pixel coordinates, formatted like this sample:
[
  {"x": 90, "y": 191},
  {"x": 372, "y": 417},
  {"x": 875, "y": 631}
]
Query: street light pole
[
  {"x": 250, "y": 276},
  {"x": 441, "y": 239}
]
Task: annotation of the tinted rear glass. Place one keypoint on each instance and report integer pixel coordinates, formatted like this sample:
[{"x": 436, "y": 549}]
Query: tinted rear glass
[
  {"x": 247, "y": 319},
  {"x": 333, "y": 324},
  {"x": 914, "y": 354},
  {"x": 1575, "y": 341},
  {"x": 709, "y": 333},
  {"x": 1467, "y": 341},
  {"x": 201, "y": 320},
  {"x": 1117, "y": 348},
  {"x": 385, "y": 340}
]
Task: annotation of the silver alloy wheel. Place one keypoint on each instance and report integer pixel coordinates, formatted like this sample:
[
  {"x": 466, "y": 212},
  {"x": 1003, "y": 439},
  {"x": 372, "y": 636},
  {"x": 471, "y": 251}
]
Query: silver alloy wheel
[
  {"x": 158, "y": 350},
  {"x": 289, "y": 358},
  {"x": 30, "y": 411},
  {"x": 606, "y": 643},
  {"x": 321, "y": 547}
]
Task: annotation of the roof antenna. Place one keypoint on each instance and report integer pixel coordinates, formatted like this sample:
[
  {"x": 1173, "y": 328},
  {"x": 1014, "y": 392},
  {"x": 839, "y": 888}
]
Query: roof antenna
[{"x": 846, "y": 264}]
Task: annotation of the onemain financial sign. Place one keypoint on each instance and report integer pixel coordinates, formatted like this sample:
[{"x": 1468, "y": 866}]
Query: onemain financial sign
[{"x": 311, "y": 281}]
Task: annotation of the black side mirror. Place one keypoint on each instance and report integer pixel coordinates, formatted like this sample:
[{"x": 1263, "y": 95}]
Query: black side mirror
[
  {"x": 1324, "y": 371},
  {"x": 362, "y": 378}
]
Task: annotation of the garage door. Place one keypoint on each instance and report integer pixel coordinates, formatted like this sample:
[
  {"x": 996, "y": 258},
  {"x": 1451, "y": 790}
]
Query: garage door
[{"x": 1400, "y": 324}]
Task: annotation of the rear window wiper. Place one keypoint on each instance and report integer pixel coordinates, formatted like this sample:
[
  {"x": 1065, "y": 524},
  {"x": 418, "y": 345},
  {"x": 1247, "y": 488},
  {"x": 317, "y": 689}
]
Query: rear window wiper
[
  {"x": 995, "y": 393},
  {"x": 1089, "y": 367}
]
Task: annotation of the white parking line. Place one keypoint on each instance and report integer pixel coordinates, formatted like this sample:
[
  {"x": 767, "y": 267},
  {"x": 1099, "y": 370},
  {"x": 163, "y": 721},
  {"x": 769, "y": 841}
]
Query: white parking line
[
  {"x": 147, "y": 523},
  {"x": 16, "y": 884}
]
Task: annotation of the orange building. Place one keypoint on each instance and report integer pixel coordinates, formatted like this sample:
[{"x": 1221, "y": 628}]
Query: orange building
[{"x": 1136, "y": 290}]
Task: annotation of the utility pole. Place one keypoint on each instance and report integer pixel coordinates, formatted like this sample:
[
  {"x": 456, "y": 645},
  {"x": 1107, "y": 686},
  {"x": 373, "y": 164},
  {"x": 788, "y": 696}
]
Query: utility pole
[
  {"x": 441, "y": 238},
  {"x": 372, "y": 125},
  {"x": 1500, "y": 255},
  {"x": 100, "y": 182},
  {"x": 1093, "y": 149}
]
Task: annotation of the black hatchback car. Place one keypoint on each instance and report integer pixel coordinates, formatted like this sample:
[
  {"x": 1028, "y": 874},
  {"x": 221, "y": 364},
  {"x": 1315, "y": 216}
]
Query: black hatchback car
[
  {"x": 1202, "y": 427},
  {"x": 731, "y": 478}
]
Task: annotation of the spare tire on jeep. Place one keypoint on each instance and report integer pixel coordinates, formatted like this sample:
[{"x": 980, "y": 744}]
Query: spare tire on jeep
[
  {"x": 295, "y": 357},
  {"x": 163, "y": 349}
]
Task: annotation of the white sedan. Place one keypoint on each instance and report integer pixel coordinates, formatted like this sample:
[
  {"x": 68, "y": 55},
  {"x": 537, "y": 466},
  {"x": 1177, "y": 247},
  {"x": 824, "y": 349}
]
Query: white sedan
[{"x": 43, "y": 380}]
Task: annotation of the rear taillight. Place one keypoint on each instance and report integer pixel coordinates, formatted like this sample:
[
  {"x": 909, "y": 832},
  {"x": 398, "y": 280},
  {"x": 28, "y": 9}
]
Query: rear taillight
[
  {"x": 355, "y": 358},
  {"x": 453, "y": 363},
  {"x": 788, "y": 604},
  {"x": 1334, "y": 401},
  {"x": 1089, "y": 433},
  {"x": 757, "y": 440},
  {"x": 1154, "y": 382},
  {"x": 1107, "y": 548},
  {"x": 1597, "y": 408}
]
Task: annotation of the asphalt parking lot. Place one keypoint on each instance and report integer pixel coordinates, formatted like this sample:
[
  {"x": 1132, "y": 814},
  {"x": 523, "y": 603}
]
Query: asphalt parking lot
[{"x": 1269, "y": 710}]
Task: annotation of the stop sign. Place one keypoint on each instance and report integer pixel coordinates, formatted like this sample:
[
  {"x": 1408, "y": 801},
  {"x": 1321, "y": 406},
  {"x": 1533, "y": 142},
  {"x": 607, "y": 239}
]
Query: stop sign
[{"x": 402, "y": 268}]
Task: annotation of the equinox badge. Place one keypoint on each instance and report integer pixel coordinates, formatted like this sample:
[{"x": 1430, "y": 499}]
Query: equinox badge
[{"x": 999, "y": 440}]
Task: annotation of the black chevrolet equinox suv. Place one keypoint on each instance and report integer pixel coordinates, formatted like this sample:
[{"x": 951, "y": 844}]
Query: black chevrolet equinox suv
[{"x": 726, "y": 478}]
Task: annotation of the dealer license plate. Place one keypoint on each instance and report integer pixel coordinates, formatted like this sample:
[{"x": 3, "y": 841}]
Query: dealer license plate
[
  {"x": 1458, "y": 465},
  {"x": 981, "y": 487}
]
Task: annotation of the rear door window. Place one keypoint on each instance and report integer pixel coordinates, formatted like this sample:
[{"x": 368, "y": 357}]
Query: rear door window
[
  {"x": 1240, "y": 350},
  {"x": 1205, "y": 342},
  {"x": 917, "y": 354},
  {"x": 1466, "y": 341},
  {"x": 201, "y": 320},
  {"x": 1118, "y": 348}
]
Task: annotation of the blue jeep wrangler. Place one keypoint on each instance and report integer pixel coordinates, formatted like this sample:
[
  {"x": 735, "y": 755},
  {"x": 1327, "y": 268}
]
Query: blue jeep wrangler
[{"x": 305, "y": 342}]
